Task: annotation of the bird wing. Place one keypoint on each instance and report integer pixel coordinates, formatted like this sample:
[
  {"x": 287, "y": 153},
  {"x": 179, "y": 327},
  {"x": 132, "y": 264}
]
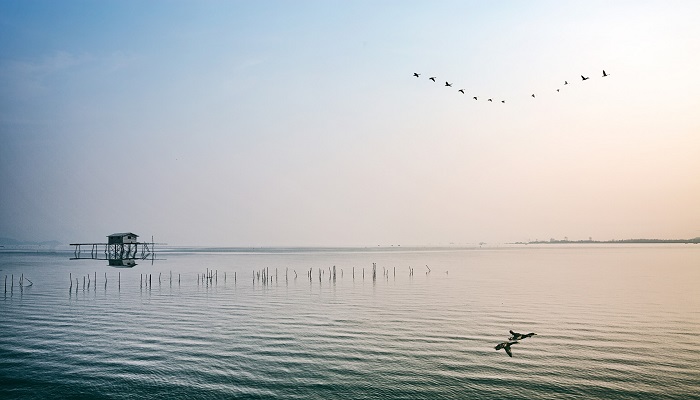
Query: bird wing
[{"x": 508, "y": 351}]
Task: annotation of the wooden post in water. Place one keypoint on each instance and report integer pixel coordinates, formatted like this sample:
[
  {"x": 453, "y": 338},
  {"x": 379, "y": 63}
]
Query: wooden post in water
[
  {"x": 71, "y": 284},
  {"x": 120, "y": 281},
  {"x": 70, "y": 277},
  {"x": 159, "y": 278},
  {"x": 178, "y": 279},
  {"x": 141, "y": 281},
  {"x": 105, "y": 281},
  {"x": 150, "y": 280},
  {"x": 234, "y": 277},
  {"x": 76, "y": 285}
]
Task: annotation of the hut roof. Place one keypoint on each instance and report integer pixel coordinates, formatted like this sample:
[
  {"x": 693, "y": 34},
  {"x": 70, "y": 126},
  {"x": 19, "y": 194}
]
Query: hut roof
[{"x": 122, "y": 234}]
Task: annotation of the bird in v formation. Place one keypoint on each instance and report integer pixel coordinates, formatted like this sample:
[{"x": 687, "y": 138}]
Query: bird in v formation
[{"x": 433, "y": 78}]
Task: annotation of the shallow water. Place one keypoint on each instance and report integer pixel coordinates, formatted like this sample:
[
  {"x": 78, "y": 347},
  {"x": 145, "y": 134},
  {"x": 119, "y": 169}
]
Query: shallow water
[{"x": 611, "y": 322}]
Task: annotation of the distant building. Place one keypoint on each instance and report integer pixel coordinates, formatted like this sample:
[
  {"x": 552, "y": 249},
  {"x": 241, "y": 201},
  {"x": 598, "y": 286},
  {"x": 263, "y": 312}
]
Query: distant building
[{"x": 122, "y": 238}]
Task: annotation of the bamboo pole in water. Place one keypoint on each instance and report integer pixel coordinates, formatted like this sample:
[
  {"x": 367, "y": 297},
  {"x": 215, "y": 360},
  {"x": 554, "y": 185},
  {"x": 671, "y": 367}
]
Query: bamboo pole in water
[{"x": 70, "y": 277}]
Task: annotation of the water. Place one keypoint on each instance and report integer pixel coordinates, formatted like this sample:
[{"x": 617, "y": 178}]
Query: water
[{"x": 611, "y": 322}]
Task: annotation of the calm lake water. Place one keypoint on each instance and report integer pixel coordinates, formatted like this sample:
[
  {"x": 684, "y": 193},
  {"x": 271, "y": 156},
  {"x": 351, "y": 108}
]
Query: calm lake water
[{"x": 612, "y": 322}]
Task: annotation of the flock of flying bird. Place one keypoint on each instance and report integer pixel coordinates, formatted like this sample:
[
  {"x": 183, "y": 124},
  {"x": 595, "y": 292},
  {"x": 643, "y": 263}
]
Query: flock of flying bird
[
  {"x": 514, "y": 339},
  {"x": 448, "y": 84}
]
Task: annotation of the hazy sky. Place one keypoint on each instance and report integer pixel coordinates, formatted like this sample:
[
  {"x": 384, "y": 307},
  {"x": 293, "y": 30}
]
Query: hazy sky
[{"x": 253, "y": 123}]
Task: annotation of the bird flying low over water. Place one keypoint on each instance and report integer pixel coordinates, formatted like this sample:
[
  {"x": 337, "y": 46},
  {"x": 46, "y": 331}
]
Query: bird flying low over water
[
  {"x": 520, "y": 336},
  {"x": 448, "y": 84},
  {"x": 432, "y": 78},
  {"x": 506, "y": 347},
  {"x": 604, "y": 74},
  {"x": 416, "y": 74},
  {"x": 583, "y": 78}
]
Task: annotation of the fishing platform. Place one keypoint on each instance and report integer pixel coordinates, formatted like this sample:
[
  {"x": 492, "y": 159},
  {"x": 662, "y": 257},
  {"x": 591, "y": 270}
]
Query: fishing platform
[{"x": 121, "y": 250}]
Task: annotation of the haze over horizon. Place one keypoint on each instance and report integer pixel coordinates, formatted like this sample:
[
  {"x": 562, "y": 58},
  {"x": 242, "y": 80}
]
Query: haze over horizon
[{"x": 300, "y": 123}]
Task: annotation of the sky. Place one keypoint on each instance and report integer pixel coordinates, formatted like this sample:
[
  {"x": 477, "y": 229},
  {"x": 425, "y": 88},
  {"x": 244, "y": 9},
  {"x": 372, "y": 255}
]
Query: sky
[{"x": 300, "y": 123}]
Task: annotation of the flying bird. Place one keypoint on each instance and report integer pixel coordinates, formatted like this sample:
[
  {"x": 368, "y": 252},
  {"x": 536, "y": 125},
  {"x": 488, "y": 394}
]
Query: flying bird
[
  {"x": 432, "y": 78},
  {"x": 506, "y": 346},
  {"x": 416, "y": 74},
  {"x": 566, "y": 83},
  {"x": 461, "y": 91},
  {"x": 475, "y": 98},
  {"x": 604, "y": 74},
  {"x": 533, "y": 95},
  {"x": 503, "y": 101},
  {"x": 520, "y": 336},
  {"x": 583, "y": 78},
  {"x": 490, "y": 100},
  {"x": 557, "y": 90},
  {"x": 448, "y": 84}
]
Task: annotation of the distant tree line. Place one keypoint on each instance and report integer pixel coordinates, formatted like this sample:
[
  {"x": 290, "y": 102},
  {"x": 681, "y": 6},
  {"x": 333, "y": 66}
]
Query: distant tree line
[{"x": 567, "y": 241}]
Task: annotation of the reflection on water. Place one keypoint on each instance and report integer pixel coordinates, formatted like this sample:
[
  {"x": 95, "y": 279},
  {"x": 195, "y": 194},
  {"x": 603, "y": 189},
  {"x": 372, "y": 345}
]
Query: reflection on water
[{"x": 611, "y": 322}]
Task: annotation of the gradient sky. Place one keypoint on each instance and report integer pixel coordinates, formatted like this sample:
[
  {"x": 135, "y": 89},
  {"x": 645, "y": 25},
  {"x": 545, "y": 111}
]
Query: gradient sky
[{"x": 273, "y": 123}]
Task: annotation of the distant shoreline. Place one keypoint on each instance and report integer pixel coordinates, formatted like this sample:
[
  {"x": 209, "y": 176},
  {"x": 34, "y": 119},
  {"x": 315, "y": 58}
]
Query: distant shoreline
[{"x": 638, "y": 241}]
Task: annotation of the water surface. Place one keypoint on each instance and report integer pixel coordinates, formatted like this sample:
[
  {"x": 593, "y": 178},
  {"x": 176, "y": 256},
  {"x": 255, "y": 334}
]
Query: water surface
[{"x": 612, "y": 322}]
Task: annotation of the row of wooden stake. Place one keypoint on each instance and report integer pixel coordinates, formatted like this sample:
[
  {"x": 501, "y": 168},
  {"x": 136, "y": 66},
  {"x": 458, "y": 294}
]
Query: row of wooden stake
[
  {"x": 20, "y": 282},
  {"x": 211, "y": 277}
]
